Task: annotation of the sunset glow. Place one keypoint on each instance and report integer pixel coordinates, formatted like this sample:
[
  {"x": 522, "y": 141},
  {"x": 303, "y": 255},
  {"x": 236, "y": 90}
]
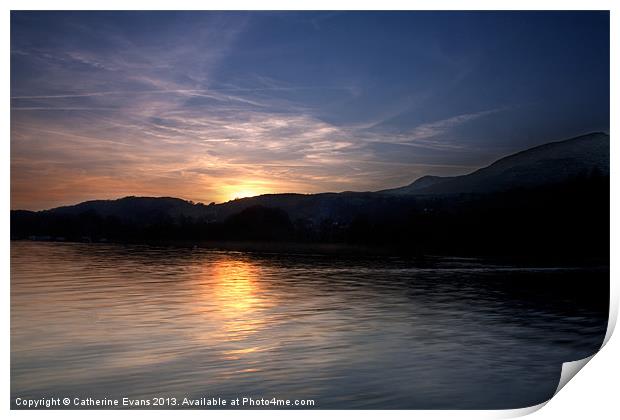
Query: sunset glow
[
  {"x": 234, "y": 192},
  {"x": 213, "y": 106}
]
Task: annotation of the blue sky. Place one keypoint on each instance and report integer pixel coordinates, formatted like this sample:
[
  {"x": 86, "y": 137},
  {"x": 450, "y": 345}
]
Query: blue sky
[{"x": 211, "y": 106}]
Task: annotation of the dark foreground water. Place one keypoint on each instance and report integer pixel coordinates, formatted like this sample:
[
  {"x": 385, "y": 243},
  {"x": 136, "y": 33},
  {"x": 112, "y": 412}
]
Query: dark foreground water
[{"x": 111, "y": 321}]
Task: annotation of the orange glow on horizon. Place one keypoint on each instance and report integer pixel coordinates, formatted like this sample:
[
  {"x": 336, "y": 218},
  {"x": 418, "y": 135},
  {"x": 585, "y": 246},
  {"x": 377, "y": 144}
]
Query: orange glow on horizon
[{"x": 244, "y": 190}]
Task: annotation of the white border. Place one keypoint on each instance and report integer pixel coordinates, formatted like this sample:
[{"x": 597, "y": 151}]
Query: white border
[
  {"x": 311, "y": 5},
  {"x": 592, "y": 395}
]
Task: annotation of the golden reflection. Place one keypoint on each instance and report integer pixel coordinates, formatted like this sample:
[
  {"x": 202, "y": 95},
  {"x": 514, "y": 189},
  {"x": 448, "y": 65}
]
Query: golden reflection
[
  {"x": 235, "y": 286},
  {"x": 231, "y": 303}
]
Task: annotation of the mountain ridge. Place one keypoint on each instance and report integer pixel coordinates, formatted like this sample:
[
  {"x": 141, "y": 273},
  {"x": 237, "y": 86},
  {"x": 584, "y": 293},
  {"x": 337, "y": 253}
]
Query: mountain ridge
[
  {"x": 549, "y": 203},
  {"x": 534, "y": 167},
  {"x": 562, "y": 159}
]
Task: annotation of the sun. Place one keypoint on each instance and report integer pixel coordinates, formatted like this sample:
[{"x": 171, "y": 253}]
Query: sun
[
  {"x": 243, "y": 190},
  {"x": 244, "y": 193}
]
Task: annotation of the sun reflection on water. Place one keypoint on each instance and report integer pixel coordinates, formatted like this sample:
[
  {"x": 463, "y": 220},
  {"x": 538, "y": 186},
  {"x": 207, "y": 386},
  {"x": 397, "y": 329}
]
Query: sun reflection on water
[
  {"x": 235, "y": 286},
  {"x": 231, "y": 303}
]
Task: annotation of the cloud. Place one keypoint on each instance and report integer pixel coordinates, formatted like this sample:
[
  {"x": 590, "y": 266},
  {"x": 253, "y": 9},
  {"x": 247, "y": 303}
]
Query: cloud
[
  {"x": 435, "y": 135},
  {"x": 158, "y": 116},
  {"x": 437, "y": 128},
  {"x": 60, "y": 108},
  {"x": 193, "y": 150}
]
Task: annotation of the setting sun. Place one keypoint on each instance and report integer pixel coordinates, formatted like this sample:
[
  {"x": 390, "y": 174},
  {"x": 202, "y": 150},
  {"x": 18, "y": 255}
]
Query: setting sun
[
  {"x": 243, "y": 194},
  {"x": 243, "y": 190}
]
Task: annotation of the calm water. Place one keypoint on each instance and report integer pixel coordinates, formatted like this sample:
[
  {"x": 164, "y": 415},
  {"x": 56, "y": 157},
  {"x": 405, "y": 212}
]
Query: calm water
[{"x": 135, "y": 321}]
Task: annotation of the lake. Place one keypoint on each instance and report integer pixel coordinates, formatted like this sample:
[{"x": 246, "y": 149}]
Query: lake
[{"x": 114, "y": 321}]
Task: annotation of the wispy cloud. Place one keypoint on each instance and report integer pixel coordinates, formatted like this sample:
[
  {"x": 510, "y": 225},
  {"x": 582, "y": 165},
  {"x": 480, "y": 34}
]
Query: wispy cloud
[
  {"x": 101, "y": 111},
  {"x": 192, "y": 150},
  {"x": 190, "y": 92},
  {"x": 436, "y": 135},
  {"x": 437, "y": 128}
]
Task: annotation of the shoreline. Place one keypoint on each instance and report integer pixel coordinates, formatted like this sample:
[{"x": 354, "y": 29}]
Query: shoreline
[{"x": 350, "y": 250}]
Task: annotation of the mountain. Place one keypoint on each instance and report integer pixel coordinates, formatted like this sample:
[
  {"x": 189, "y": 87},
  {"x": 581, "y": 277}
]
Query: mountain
[
  {"x": 136, "y": 209},
  {"x": 337, "y": 207},
  {"x": 548, "y": 164},
  {"x": 551, "y": 200}
]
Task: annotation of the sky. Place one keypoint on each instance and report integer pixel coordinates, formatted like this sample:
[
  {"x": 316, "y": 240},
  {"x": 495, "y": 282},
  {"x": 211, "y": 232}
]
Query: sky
[{"x": 212, "y": 106}]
